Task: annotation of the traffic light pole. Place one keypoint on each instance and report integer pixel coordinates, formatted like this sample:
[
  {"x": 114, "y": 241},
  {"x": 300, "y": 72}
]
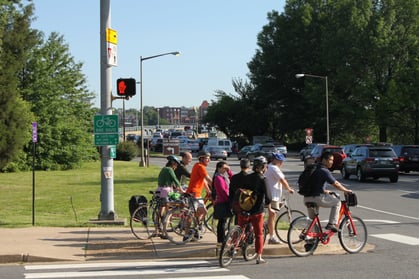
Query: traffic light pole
[{"x": 107, "y": 212}]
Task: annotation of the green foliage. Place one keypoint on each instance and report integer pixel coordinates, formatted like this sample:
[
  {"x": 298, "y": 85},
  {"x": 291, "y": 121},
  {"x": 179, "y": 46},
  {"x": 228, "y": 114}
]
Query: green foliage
[
  {"x": 72, "y": 197},
  {"x": 16, "y": 41},
  {"x": 126, "y": 151}
]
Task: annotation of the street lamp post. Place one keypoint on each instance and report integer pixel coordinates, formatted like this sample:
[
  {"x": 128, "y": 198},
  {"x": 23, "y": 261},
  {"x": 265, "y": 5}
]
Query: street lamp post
[
  {"x": 177, "y": 53},
  {"x": 327, "y": 100}
]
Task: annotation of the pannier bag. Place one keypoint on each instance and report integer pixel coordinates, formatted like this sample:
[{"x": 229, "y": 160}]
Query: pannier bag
[{"x": 134, "y": 202}]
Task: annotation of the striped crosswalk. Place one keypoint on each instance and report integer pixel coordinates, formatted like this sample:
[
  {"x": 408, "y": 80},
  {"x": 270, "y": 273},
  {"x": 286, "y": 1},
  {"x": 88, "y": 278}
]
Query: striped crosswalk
[{"x": 175, "y": 269}]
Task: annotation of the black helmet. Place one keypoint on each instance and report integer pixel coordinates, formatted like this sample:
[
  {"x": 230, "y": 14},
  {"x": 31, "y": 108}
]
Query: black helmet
[
  {"x": 259, "y": 161},
  {"x": 173, "y": 158}
]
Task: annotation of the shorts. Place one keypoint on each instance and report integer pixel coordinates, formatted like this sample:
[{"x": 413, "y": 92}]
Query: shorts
[
  {"x": 164, "y": 192},
  {"x": 198, "y": 202},
  {"x": 276, "y": 205}
]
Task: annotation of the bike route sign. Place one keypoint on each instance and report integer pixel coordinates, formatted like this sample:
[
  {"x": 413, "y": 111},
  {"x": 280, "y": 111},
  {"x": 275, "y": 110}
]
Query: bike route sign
[{"x": 106, "y": 130}]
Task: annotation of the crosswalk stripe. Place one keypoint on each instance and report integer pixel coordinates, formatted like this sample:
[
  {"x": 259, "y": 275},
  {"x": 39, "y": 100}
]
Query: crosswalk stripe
[
  {"x": 123, "y": 269},
  {"x": 114, "y": 264},
  {"x": 398, "y": 238}
]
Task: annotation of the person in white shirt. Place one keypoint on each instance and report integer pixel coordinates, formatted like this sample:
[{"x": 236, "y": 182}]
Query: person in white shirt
[{"x": 275, "y": 180}]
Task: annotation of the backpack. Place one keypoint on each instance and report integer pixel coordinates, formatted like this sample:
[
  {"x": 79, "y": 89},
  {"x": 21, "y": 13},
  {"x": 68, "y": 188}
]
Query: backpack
[
  {"x": 244, "y": 200},
  {"x": 304, "y": 180},
  {"x": 134, "y": 202}
]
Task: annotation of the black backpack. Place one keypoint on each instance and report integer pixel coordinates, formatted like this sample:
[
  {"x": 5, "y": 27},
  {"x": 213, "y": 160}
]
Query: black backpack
[
  {"x": 304, "y": 180},
  {"x": 134, "y": 202}
]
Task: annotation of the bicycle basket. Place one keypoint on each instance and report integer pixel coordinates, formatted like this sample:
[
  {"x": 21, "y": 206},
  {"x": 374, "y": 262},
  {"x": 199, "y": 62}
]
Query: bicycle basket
[{"x": 351, "y": 199}]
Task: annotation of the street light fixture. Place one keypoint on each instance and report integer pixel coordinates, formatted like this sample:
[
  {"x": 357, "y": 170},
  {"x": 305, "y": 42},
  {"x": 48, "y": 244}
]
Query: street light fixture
[
  {"x": 177, "y": 53},
  {"x": 327, "y": 100}
]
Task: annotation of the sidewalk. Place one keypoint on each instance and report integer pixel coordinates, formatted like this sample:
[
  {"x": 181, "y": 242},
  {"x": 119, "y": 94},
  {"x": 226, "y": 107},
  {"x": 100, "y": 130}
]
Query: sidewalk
[{"x": 46, "y": 244}]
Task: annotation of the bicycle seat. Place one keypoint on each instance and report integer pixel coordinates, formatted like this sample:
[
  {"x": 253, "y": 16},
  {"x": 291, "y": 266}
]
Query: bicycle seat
[
  {"x": 311, "y": 204},
  {"x": 154, "y": 192}
]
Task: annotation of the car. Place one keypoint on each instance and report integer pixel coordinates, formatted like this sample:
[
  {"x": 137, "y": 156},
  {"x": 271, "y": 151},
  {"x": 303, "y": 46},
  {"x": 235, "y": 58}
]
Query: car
[
  {"x": 243, "y": 151},
  {"x": 372, "y": 161},
  {"x": 194, "y": 144},
  {"x": 408, "y": 157},
  {"x": 261, "y": 149},
  {"x": 307, "y": 150},
  {"x": 184, "y": 147},
  {"x": 217, "y": 152},
  {"x": 157, "y": 145},
  {"x": 315, "y": 156},
  {"x": 349, "y": 148}
]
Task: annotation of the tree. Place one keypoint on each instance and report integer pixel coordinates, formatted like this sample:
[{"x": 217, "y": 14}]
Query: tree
[
  {"x": 16, "y": 41},
  {"x": 55, "y": 87}
]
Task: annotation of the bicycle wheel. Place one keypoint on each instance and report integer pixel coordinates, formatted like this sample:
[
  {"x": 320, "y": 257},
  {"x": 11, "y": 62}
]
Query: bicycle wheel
[
  {"x": 230, "y": 247},
  {"x": 283, "y": 222},
  {"x": 298, "y": 243},
  {"x": 249, "y": 248},
  {"x": 140, "y": 221},
  {"x": 174, "y": 226},
  {"x": 209, "y": 222},
  {"x": 351, "y": 242}
]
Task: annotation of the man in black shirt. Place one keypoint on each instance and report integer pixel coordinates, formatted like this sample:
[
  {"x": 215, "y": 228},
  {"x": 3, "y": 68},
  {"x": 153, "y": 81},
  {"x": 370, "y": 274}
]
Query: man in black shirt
[{"x": 181, "y": 171}]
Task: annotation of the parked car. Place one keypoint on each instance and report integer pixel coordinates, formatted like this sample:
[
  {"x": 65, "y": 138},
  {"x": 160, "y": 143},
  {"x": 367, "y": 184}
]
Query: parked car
[
  {"x": 217, "y": 152},
  {"x": 243, "y": 151},
  {"x": 372, "y": 161},
  {"x": 408, "y": 157},
  {"x": 315, "y": 156},
  {"x": 261, "y": 149},
  {"x": 307, "y": 150},
  {"x": 157, "y": 145},
  {"x": 349, "y": 148},
  {"x": 194, "y": 144},
  {"x": 224, "y": 143},
  {"x": 282, "y": 149},
  {"x": 184, "y": 147}
]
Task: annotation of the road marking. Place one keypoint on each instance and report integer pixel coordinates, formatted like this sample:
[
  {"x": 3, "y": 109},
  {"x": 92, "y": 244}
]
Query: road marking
[
  {"x": 389, "y": 213},
  {"x": 398, "y": 238},
  {"x": 381, "y": 221},
  {"x": 125, "y": 269}
]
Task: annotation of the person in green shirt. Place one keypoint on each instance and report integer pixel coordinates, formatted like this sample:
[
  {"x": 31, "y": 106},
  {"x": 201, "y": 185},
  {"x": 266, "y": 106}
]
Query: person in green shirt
[{"x": 167, "y": 182}]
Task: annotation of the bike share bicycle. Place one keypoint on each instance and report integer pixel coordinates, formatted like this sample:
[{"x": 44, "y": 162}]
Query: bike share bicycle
[{"x": 305, "y": 234}]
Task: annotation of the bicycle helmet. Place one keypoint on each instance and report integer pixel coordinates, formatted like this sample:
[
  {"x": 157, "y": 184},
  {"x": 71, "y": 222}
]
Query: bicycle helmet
[
  {"x": 173, "y": 158},
  {"x": 259, "y": 161}
]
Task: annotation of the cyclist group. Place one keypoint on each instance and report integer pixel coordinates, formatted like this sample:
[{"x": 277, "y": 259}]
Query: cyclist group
[{"x": 266, "y": 180}]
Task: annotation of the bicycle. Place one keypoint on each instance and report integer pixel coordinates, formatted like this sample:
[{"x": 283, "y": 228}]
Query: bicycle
[
  {"x": 284, "y": 219},
  {"x": 145, "y": 215},
  {"x": 181, "y": 224},
  {"x": 304, "y": 234},
  {"x": 239, "y": 238}
]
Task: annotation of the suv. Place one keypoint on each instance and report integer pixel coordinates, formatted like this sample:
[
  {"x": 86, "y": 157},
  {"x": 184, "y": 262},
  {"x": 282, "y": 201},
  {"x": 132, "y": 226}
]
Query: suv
[
  {"x": 372, "y": 161},
  {"x": 318, "y": 150},
  {"x": 259, "y": 149},
  {"x": 408, "y": 157}
]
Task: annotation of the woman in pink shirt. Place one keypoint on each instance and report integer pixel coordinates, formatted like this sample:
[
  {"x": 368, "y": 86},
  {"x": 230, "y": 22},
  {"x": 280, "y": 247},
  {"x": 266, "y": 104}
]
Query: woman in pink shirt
[{"x": 221, "y": 182}]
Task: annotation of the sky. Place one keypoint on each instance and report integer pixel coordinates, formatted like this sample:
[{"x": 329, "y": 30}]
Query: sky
[{"x": 216, "y": 39}]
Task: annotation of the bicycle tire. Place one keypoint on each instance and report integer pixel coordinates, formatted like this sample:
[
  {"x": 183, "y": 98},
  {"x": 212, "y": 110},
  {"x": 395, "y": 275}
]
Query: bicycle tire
[
  {"x": 297, "y": 241},
  {"x": 230, "y": 246},
  {"x": 174, "y": 226},
  {"x": 350, "y": 242},
  {"x": 249, "y": 247},
  {"x": 140, "y": 221},
  {"x": 283, "y": 222},
  {"x": 209, "y": 220}
]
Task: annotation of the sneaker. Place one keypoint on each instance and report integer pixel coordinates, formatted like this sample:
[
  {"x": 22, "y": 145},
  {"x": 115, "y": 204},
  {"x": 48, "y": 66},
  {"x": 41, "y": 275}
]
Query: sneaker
[
  {"x": 274, "y": 240},
  {"x": 308, "y": 246},
  {"x": 331, "y": 227},
  {"x": 187, "y": 238},
  {"x": 260, "y": 261}
]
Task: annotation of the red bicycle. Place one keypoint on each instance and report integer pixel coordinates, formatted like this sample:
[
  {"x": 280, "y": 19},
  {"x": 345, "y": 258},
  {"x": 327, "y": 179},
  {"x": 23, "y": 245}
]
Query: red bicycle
[{"x": 305, "y": 234}]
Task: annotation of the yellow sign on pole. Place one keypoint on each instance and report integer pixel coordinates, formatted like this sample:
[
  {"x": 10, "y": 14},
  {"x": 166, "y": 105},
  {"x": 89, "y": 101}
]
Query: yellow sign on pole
[{"x": 111, "y": 36}]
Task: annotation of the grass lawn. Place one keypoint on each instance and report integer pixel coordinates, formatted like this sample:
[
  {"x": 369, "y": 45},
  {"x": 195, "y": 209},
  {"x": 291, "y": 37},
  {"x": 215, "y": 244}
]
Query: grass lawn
[{"x": 70, "y": 198}]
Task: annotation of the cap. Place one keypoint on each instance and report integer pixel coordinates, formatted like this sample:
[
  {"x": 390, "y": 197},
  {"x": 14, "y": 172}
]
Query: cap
[{"x": 278, "y": 156}]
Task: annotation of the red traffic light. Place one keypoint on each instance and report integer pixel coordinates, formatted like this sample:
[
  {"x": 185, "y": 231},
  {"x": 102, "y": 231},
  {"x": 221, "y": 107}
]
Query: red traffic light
[{"x": 125, "y": 87}]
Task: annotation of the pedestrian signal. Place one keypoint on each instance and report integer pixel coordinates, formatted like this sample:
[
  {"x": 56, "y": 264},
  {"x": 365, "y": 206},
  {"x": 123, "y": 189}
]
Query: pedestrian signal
[{"x": 125, "y": 87}]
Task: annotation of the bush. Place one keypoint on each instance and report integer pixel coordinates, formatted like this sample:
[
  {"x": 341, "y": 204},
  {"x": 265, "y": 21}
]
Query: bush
[{"x": 126, "y": 151}]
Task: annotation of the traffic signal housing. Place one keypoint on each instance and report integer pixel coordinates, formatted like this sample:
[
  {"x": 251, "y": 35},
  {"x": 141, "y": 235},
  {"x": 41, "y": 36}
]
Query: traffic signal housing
[{"x": 125, "y": 87}]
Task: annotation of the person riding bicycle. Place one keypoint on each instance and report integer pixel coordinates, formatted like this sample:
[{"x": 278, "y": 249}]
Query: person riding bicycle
[
  {"x": 320, "y": 195},
  {"x": 256, "y": 182},
  {"x": 167, "y": 182},
  {"x": 275, "y": 180}
]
